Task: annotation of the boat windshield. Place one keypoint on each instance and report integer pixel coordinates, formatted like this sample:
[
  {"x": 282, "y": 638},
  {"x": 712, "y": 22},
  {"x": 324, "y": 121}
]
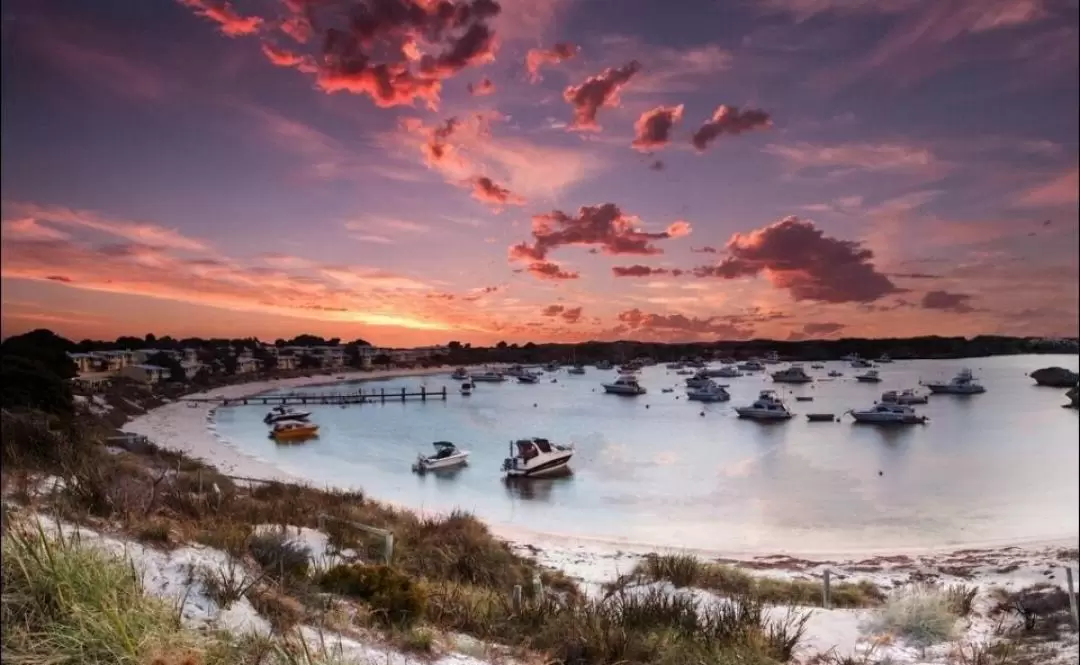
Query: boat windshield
[
  {"x": 526, "y": 449},
  {"x": 543, "y": 445}
]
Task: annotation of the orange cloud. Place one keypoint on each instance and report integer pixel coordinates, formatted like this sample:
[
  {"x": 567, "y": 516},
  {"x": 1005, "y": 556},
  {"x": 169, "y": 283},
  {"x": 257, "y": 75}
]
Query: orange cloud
[
  {"x": 538, "y": 57},
  {"x": 486, "y": 191},
  {"x": 231, "y": 23},
  {"x": 652, "y": 130},
  {"x": 149, "y": 234},
  {"x": 1062, "y": 190},
  {"x": 639, "y": 270},
  {"x": 550, "y": 270},
  {"x": 282, "y": 57}
]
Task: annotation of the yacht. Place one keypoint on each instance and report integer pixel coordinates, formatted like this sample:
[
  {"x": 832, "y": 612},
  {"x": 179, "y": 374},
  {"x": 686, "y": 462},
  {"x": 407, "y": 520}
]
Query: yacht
[
  {"x": 604, "y": 364},
  {"x": 871, "y": 376},
  {"x": 886, "y": 413},
  {"x": 752, "y": 366},
  {"x": 698, "y": 380},
  {"x": 551, "y": 367},
  {"x": 528, "y": 377},
  {"x": 725, "y": 372},
  {"x": 859, "y": 363},
  {"x": 904, "y": 397},
  {"x": 576, "y": 369},
  {"x": 515, "y": 370},
  {"x": 835, "y": 373},
  {"x": 279, "y": 413},
  {"x": 793, "y": 374},
  {"x": 536, "y": 458},
  {"x": 291, "y": 430},
  {"x": 771, "y": 358},
  {"x": 961, "y": 384},
  {"x": 766, "y": 407},
  {"x": 817, "y": 366},
  {"x": 709, "y": 392},
  {"x": 460, "y": 374},
  {"x": 624, "y": 385},
  {"x": 678, "y": 365},
  {"x": 446, "y": 456},
  {"x": 467, "y": 387},
  {"x": 696, "y": 363},
  {"x": 488, "y": 376},
  {"x": 884, "y": 359},
  {"x": 727, "y": 361}
]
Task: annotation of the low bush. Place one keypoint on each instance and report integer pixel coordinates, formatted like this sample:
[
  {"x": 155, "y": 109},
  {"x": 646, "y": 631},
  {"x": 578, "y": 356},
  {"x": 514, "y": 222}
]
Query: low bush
[
  {"x": 921, "y": 614},
  {"x": 280, "y": 557},
  {"x": 961, "y": 598},
  {"x": 155, "y": 532},
  {"x": 283, "y": 612},
  {"x": 394, "y": 596},
  {"x": 1040, "y": 605}
]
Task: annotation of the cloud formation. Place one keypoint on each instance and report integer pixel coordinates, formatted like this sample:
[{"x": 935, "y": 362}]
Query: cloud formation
[
  {"x": 550, "y": 270},
  {"x": 652, "y": 130},
  {"x": 674, "y": 327},
  {"x": 638, "y": 270},
  {"x": 795, "y": 255},
  {"x": 946, "y": 301},
  {"x": 221, "y": 12},
  {"x": 604, "y": 227},
  {"x": 567, "y": 314},
  {"x": 481, "y": 88},
  {"x": 597, "y": 92},
  {"x": 536, "y": 58},
  {"x": 486, "y": 191},
  {"x": 729, "y": 121}
]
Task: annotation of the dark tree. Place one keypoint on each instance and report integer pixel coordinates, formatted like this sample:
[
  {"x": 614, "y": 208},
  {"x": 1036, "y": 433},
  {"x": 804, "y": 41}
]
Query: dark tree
[
  {"x": 308, "y": 361},
  {"x": 28, "y": 384},
  {"x": 45, "y": 348},
  {"x": 176, "y": 370}
]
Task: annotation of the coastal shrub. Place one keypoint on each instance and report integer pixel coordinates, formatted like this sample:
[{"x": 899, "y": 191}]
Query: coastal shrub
[
  {"x": 1043, "y": 604},
  {"x": 280, "y": 557},
  {"x": 154, "y": 531},
  {"x": 683, "y": 570},
  {"x": 961, "y": 598},
  {"x": 394, "y": 596},
  {"x": 68, "y": 604},
  {"x": 921, "y": 614},
  {"x": 230, "y": 537},
  {"x": 282, "y": 611},
  {"x": 417, "y": 640},
  {"x": 226, "y": 584}
]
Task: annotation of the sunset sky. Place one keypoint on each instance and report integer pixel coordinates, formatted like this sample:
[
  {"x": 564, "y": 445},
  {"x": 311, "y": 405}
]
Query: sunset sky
[{"x": 545, "y": 170}]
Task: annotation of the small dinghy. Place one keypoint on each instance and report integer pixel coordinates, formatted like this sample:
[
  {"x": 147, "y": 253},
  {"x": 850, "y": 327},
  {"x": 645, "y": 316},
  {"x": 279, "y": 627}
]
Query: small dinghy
[
  {"x": 821, "y": 417},
  {"x": 446, "y": 456},
  {"x": 804, "y": 398}
]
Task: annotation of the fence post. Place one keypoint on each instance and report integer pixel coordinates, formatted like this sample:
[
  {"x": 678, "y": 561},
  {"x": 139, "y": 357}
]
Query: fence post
[
  {"x": 388, "y": 547},
  {"x": 516, "y": 598},
  {"x": 1072, "y": 598},
  {"x": 403, "y": 393},
  {"x": 825, "y": 599},
  {"x": 538, "y": 588},
  {"x": 423, "y": 393}
]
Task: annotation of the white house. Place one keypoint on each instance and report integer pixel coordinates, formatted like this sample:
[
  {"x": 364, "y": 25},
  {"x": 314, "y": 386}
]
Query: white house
[
  {"x": 114, "y": 361},
  {"x": 286, "y": 362},
  {"x": 85, "y": 363},
  {"x": 149, "y": 374},
  {"x": 246, "y": 364}
]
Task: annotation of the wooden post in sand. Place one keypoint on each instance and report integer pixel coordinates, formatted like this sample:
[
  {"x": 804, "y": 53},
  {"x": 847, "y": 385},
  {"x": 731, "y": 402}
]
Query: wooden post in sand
[
  {"x": 516, "y": 598},
  {"x": 423, "y": 393},
  {"x": 1072, "y": 598},
  {"x": 388, "y": 547},
  {"x": 444, "y": 393},
  {"x": 825, "y": 600},
  {"x": 402, "y": 393}
]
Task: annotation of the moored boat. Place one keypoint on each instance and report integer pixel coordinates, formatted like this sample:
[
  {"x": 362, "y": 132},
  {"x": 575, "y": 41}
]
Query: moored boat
[
  {"x": 292, "y": 430},
  {"x": 886, "y": 413},
  {"x": 576, "y": 369},
  {"x": 793, "y": 374},
  {"x": 709, "y": 392},
  {"x": 279, "y": 413},
  {"x": 528, "y": 377},
  {"x": 904, "y": 397},
  {"x": 624, "y": 385},
  {"x": 446, "y": 456},
  {"x": 467, "y": 387},
  {"x": 751, "y": 366},
  {"x": 460, "y": 374},
  {"x": 536, "y": 458},
  {"x": 961, "y": 384},
  {"x": 723, "y": 372},
  {"x": 604, "y": 364},
  {"x": 766, "y": 407},
  {"x": 870, "y": 376},
  {"x": 488, "y": 376}
]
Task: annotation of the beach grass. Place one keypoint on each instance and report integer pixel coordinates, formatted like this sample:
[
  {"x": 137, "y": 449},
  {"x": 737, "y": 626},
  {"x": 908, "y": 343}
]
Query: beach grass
[{"x": 685, "y": 570}]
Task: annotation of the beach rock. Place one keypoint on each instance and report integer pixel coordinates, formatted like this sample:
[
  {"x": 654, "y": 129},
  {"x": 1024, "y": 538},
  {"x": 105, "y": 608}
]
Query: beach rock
[
  {"x": 1074, "y": 397},
  {"x": 1055, "y": 377}
]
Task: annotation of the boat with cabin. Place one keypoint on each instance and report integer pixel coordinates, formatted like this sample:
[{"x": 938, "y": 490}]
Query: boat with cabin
[
  {"x": 904, "y": 397},
  {"x": 467, "y": 387},
  {"x": 860, "y": 363},
  {"x": 528, "y": 377},
  {"x": 870, "y": 376},
  {"x": 751, "y": 366},
  {"x": 446, "y": 456},
  {"x": 576, "y": 369},
  {"x": 883, "y": 359},
  {"x": 536, "y": 458},
  {"x": 488, "y": 376},
  {"x": 293, "y": 430},
  {"x": 279, "y": 413},
  {"x": 710, "y": 391},
  {"x": 766, "y": 407},
  {"x": 460, "y": 374},
  {"x": 604, "y": 364},
  {"x": 793, "y": 374},
  {"x": 624, "y": 385},
  {"x": 723, "y": 372},
  {"x": 961, "y": 384},
  {"x": 888, "y": 413}
]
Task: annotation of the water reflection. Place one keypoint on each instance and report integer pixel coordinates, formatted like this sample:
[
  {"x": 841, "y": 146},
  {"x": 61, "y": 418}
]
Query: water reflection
[{"x": 535, "y": 489}]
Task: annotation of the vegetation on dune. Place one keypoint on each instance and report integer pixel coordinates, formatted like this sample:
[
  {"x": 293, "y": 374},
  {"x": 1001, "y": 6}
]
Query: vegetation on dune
[{"x": 684, "y": 570}]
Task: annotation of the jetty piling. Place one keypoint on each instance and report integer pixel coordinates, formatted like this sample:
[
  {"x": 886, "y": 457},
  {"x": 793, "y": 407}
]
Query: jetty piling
[{"x": 359, "y": 397}]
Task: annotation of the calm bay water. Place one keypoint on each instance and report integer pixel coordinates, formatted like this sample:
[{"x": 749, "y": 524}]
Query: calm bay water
[{"x": 1001, "y": 466}]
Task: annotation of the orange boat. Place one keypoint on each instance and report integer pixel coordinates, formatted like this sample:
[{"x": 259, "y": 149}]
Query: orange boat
[{"x": 291, "y": 430}]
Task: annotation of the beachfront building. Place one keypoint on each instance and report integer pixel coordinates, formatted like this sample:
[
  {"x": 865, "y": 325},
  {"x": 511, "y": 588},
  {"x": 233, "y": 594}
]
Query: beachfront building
[
  {"x": 85, "y": 363},
  {"x": 409, "y": 356},
  {"x": 191, "y": 368},
  {"x": 287, "y": 361},
  {"x": 246, "y": 364},
  {"x": 113, "y": 361},
  {"x": 143, "y": 356},
  {"x": 148, "y": 374}
]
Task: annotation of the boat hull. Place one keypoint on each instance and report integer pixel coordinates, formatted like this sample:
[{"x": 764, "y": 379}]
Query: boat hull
[
  {"x": 792, "y": 380},
  {"x": 754, "y": 414},
  {"x": 951, "y": 390},
  {"x": 555, "y": 466},
  {"x": 623, "y": 390},
  {"x": 430, "y": 464},
  {"x": 707, "y": 397},
  {"x": 876, "y": 419},
  {"x": 295, "y": 435}
]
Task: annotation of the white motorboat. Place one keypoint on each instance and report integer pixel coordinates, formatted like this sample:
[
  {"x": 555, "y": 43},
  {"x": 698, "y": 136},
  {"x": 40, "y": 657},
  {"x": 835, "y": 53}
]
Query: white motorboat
[
  {"x": 884, "y": 359},
  {"x": 725, "y": 372},
  {"x": 766, "y": 407},
  {"x": 709, "y": 392},
  {"x": 752, "y": 366},
  {"x": 870, "y": 376},
  {"x": 460, "y": 374},
  {"x": 698, "y": 380},
  {"x": 528, "y": 377},
  {"x": 859, "y": 363},
  {"x": 834, "y": 373},
  {"x": 280, "y": 413},
  {"x": 536, "y": 458},
  {"x": 817, "y": 366},
  {"x": 904, "y": 397},
  {"x": 793, "y": 374},
  {"x": 696, "y": 363},
  {"x": 961, "y": 384},
  {"x": 446, "y": 456},
  {"x": 604, "y": 364},
  {"x": 576, "y": 369},
  {"x": 887, "y": 413},
  {"x": 624, "y": 385},
  {"x": 467, "y": 387},
  {"x": 488, "y": 376}
]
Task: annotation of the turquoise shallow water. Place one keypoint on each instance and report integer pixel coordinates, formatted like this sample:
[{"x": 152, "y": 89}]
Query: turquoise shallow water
[{"x": 1001, "y": 466}]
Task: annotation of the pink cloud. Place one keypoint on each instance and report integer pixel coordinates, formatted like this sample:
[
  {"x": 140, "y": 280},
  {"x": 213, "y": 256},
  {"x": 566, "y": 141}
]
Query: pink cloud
[
  {"x": 729, "y": 121},
  {"x": 149, "y": 234},
  {"x": 652, "y": 130},
  {"x": 864, "y": 156},
  {"x": 221, "y": 12},
  {"x": 1062, "y": 190},
  {"x": 538, "y": 57},
  {"x": 28, "y": 228},
  {"x": 597, "y": 92},
  {"x": 487, "y": 191},
  {"x": 550, "y": 270},
  {"x": 676, "y": 327},
  {"x": 944, "y": 300},
  {"x": 796, "y": 256},
  {"x": 638, "y": 270}
]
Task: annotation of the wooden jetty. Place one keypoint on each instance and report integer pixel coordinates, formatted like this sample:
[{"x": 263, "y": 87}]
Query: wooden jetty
[{"x": 298, "y": 399}]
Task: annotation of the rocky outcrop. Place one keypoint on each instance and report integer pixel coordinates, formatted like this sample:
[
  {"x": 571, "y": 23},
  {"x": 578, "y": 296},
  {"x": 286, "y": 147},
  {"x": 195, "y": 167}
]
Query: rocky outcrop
[
  {"x": 1074, "y": 397},
  {"x": 1055, "y": 377}
]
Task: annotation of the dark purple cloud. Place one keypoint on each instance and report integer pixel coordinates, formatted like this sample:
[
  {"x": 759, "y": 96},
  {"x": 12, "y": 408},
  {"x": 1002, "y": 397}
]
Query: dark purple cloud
[
  {"x": 944, "y": 300},
  {"x": 639, "y": 270},
  {"x": 598, "y": 91},
  {"x": 729, "y": 121},
  {"x": 652, "y": 130}
]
